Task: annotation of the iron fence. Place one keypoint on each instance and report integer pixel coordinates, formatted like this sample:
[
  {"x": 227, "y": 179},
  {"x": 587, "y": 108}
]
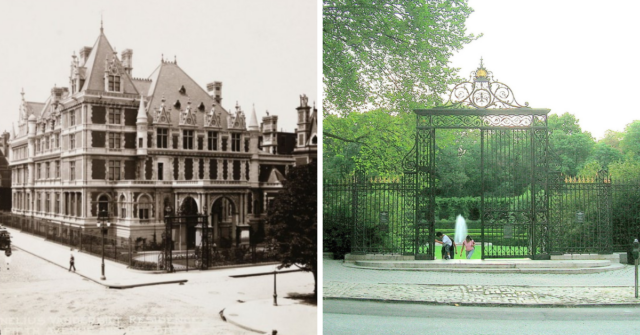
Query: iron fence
[{"x": 142, "y": 256}]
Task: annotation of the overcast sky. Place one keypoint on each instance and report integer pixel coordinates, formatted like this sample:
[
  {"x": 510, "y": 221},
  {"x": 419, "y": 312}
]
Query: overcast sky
[
  {"x": 579, "y": 57},
  {"x": 264, "y": 52}
]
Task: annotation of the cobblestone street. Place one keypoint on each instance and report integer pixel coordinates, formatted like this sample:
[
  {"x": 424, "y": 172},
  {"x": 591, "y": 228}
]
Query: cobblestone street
[{"x": 606, "y": 288}]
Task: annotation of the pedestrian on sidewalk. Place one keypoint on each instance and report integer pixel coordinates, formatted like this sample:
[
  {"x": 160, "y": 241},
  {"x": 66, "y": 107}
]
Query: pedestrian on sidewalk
[
  {"x": 72, "y": 262},
  {"x": 7, "y": 257},
  {"x": 469, "y": 245},
  {"x": 446, "y": 244}
]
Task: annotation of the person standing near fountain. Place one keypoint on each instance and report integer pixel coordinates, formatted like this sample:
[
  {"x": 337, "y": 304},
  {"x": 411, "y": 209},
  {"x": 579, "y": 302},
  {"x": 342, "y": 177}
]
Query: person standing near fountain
[
  {"x": 446, "y": 244},
  {"x": 469, "y": 245}
]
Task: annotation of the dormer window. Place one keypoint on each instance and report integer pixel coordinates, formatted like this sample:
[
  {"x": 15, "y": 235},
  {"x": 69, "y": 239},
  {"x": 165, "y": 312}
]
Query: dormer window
[
  {"x": 182, "y": 90},
  {"x": 114, "y": 83}
]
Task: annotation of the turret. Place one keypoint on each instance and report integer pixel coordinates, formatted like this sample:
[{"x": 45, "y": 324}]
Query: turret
[
  {"x": 215, "y": 90},
  {"x": 127, "y": 60},
  {"x": 141, "y": 127},
  {"x": 304, "y": 123}
]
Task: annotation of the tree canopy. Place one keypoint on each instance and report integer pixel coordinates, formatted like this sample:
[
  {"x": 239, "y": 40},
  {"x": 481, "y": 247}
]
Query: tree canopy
[
  {"x": 293, "y": 220},
  {"x": 391, "y": 55}
]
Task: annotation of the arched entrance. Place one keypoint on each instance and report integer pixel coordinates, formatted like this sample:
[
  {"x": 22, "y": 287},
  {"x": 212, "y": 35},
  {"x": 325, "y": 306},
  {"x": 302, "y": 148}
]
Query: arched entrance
[
  {"x": 223, "y": 220},
  {"x": 189, "y": 207}
]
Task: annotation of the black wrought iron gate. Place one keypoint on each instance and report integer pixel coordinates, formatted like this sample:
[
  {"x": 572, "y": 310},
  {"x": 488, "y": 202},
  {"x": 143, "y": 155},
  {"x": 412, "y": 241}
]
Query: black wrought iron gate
[{"x": 399, "y": 216}]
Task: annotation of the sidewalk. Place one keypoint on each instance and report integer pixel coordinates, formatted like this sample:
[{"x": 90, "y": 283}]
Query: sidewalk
[
  {"x": 260, "y": 316},
  {"x": 289, "y": 317},
  {"x": 611, "y": 288}
]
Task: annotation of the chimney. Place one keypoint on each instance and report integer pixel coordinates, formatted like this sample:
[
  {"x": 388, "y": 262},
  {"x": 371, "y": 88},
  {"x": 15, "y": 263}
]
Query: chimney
[
  {"x": 84, "y": 54},
  {"x": 57, "y": 92},
  {"x": 127, "y": 60},
  {"x": 215, "y": 90}
]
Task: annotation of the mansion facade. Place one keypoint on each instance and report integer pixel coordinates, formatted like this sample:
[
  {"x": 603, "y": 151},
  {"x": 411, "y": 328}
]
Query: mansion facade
[{"x": 134, "y": 147}]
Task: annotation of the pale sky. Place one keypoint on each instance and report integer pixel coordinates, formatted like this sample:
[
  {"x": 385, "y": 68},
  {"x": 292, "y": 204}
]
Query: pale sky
[
  {"x": 579, "y": 57},
  {"x": 264, "y": 52}
]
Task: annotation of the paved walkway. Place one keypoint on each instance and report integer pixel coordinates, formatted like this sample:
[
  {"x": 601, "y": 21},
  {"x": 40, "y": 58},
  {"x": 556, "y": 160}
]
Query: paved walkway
[
  {"x": 255, "y": 316},
  {"x": 504, "y": 289}
]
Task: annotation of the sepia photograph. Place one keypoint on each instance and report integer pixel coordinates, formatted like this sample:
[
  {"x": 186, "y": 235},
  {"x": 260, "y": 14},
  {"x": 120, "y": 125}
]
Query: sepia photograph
[{"x": 158, "y": 167}]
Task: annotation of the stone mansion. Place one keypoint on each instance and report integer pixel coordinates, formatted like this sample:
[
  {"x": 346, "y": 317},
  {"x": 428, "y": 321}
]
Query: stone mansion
[{"x": 134, "y": 147}]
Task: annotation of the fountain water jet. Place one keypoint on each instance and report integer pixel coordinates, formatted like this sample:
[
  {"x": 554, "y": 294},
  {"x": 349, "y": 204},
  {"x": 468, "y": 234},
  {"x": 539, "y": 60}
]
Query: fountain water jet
[{"x": 461, "y": 229}]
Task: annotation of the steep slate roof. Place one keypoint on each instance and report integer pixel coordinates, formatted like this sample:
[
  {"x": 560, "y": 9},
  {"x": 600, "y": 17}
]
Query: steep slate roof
[
  {"x": 34, "y": 108},
  {"x": 142, "y": 85},
  {"x": 95, "y": 65},
  {"x": 166, "y": 82}
]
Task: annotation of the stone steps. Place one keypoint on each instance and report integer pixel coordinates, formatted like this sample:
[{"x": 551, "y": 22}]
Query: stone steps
[{"x": 493, "y": 266}]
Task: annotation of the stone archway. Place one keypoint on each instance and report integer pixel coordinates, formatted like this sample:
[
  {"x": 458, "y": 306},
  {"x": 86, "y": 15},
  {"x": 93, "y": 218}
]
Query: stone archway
[
  {"x": 188, "y": 208},
  {"x": 223, "y": 220}
]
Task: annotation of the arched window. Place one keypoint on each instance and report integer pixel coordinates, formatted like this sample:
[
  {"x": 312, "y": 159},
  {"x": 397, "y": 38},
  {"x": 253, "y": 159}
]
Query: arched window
[
  {"x": 144, "y": 207},
  {"x": 123, "y": 207},
  {"x": 103, "y": 204}
]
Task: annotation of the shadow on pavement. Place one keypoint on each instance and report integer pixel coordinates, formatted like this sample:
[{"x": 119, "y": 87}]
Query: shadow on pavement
[{"x": 304, "y": 298}]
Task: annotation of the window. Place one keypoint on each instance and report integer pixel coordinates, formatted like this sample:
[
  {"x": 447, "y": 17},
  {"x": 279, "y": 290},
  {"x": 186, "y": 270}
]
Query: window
[
  {"x": 57, "y": 140},
  {"x": 114, "y": 115},
  {"x": 114, "y": 141},
  {"x": 103, "y": 204},
  {"x": 37, "y": 146},
  {"x": 212, "y": 139},
  {"x": 57, "y": 169},
  {"x": 175, "y": 141},
  {"x": 57, "y": 209},
  {"x": 114, "y": 170},
  {"x": 37, "y": 202},
  {"x": 72, "y": 141},
  {"x": 144, "y": 205},
  {"x": 47, "y": 168},
  {"x": 187, "y": 139},
  {"x": 72, "y": 118},
  {"x": 162, "y": 138},
  {"x": 123, "y": 207},
  {"x": 72, "y": 170},
  {"x": 114, "y": 83},
  {"x": 235, "y": 142},
  {"x": 47, "y": 203},
  {"x": 38, "y": 171},
  {"x": 160, "y": 171}
]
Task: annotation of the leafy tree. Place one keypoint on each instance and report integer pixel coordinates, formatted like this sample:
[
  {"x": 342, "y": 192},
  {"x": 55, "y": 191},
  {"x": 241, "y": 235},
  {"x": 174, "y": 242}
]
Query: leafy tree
[
  {"x": 605, "y": 154},
  {"x": 630, "y": 143},
  {"x": 613, "y": 138},
  {"x": 590, "y": 170},
  {"x": 570, "y": 147},
  {"x": 389, "y": 54},
  {"x": 374, "y": 141},
  {"x": 293, "y": 222},
  {"x": 625, "y": 170}
]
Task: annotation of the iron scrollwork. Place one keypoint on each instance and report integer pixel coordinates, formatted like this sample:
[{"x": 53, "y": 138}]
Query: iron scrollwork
[{"x": 482, "y": 92}]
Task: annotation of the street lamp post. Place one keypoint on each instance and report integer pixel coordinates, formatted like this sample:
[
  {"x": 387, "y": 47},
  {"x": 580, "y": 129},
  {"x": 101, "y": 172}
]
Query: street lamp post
[
  {"x": 275, "y": 294},
  {"x": 636, "y": 254},
  {"x": 168, "y": 222},
  {"x": 104, "y": 225}
]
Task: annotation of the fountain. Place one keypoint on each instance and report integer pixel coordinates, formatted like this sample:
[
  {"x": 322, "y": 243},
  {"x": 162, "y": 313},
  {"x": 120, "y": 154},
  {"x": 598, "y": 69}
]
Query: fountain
[{"x": 461, "y": 230}]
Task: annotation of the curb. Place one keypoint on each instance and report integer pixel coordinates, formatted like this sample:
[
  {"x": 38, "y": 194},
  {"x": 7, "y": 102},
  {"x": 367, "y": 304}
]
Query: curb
[
  {"x": 264, "y": 273},
  {"x": 490, "y": 304},
  {"x": 113, "y": 286},
  {"x": 229, "y": 320}
]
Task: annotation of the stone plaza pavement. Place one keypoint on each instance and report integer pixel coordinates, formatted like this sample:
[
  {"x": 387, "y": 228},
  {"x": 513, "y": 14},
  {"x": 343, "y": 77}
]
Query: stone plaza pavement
[
  {"x": 614, "y": 288},
  {"x": 257, "y": 316}
]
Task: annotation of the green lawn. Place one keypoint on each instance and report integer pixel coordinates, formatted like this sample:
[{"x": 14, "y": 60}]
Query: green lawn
[{"x": 477, "y": 254}]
